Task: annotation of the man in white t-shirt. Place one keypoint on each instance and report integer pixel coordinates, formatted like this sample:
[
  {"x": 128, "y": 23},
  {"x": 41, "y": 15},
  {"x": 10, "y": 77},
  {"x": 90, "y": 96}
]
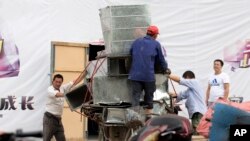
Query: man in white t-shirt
[
  {"x": 218, "y": 84},
  {"x": 52, "y": 124}
]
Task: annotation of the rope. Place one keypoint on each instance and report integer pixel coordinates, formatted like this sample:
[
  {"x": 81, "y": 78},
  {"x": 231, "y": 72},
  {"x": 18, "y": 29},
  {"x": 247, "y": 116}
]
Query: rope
[
  {"x": 171, "y": 98},
  {"x": 80, "y": 74},
  {"x": 96, "y": 68},
  {"x": 89, "y": 87}
]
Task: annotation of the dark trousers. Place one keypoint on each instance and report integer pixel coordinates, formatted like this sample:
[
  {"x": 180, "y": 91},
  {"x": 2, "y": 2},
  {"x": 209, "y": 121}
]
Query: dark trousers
[
  {"x": 149, "y": 89},
  {"x": 52, "y": 126},
  {"x": 195, "y": 121}
]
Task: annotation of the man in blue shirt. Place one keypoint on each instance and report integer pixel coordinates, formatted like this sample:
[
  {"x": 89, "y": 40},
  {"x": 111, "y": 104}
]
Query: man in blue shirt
[
  {"x": 145, "y": 53},
  {"x": 194, "y": 95}
]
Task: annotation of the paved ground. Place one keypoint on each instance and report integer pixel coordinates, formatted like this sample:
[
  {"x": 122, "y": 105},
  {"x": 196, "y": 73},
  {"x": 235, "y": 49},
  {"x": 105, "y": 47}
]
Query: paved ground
[
  {"x": 29, "y": 139},
  {"x": 199, "y": 138},
  {"x": 92, "y": 138}
]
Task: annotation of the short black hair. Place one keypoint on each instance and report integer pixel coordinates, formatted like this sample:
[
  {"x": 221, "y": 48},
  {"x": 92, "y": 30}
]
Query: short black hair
[
  {"x": 219, "y": 60},
  {"x": 188, "y": 74},
  {"x": 150, "y": 34},
  {"x": 58, "y": 76}
]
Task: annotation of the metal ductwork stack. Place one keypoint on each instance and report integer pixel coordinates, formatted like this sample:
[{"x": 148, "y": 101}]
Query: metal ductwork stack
[{"x": 121, "y": 25}]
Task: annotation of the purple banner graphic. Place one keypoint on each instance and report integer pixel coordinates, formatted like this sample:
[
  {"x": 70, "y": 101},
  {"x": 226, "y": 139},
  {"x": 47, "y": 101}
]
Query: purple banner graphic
[
  {"x": 9, "y": 59},
  {"x": 238, "y": 55}
]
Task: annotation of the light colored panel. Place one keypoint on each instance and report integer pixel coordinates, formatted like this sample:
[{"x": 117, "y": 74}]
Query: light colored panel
[
  {"x": 73, "y": 124},
  {"x": 69, "y": 58},
  {"x": 1, "y": 44},
  {"x": 70, "y": 61}
]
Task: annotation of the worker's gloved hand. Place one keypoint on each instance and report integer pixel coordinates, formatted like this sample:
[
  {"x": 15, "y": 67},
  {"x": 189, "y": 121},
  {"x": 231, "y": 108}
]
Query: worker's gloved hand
[{"x": 168, "y": 71}]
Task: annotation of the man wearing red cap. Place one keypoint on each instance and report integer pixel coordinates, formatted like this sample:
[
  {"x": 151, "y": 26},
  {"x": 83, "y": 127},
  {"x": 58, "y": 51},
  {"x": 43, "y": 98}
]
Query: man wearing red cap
[{"x": 145, "y": 53}]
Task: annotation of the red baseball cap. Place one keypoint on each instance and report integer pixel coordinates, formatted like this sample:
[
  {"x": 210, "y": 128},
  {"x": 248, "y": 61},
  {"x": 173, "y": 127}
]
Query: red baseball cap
[{"x": 153, "y": 30}]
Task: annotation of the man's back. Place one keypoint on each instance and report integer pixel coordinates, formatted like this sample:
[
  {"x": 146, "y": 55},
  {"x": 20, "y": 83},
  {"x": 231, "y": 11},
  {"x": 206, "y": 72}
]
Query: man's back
[
  {"x": 145, "y": 52},
  {"x": 195, "y": 96}
]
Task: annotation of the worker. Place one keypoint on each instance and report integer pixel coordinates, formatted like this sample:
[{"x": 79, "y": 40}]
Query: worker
[
  {"x": 52, "y": 124},
  {"x": 218, "y": 84},
  {"x": 145, "y": 52}
]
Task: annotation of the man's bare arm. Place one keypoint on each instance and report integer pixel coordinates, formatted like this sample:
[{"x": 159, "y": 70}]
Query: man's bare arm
[
  {"x": 173, "y": 94},
  {"x": 207, "y": 93},
  {"x": 59, "y": 94},
  {"x": 226, "y": 90},
  {"x": 174, "y": 78}
]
